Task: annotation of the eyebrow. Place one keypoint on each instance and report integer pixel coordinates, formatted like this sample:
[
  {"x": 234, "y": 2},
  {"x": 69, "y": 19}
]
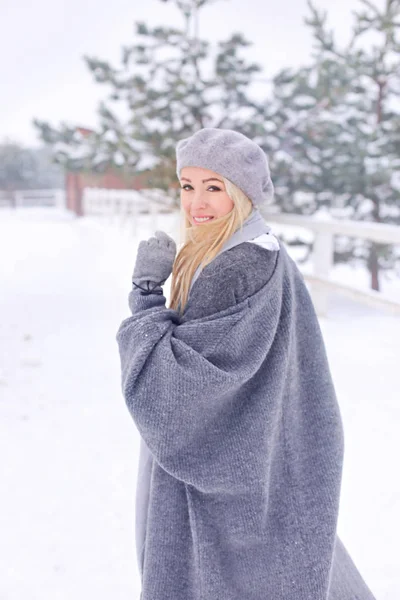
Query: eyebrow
[{"x": 203, "y": 181}]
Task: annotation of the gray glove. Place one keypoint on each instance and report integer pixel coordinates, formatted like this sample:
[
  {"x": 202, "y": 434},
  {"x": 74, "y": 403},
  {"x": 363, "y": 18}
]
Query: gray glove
[{"x": 154, "y": 261}]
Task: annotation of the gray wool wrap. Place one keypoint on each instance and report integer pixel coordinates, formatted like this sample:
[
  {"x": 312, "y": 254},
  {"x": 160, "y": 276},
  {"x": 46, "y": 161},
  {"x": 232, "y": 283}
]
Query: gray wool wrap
[
  {"x": 240, "y": 483},
  {"x": 232, "y": 155}
]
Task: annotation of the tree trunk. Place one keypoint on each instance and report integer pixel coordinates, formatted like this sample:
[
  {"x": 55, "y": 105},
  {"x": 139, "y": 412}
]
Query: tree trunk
[
  {"x": 373, "y": 262},
  {"x": 374, "y": 267}
]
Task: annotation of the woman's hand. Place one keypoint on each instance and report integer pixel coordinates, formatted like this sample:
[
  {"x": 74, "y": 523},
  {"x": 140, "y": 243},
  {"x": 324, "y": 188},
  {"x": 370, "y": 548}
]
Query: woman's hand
[{"x": 155, "y": 259}]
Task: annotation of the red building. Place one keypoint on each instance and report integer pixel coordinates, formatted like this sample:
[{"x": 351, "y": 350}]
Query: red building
[
  {"x": 111, "y": 179},
  {"x": 76, "y": 182}
]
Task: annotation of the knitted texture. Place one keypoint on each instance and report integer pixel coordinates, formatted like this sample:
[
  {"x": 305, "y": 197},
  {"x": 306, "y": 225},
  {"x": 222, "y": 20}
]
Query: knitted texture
[
  {"x": 232, "y": 155},
  {"x": 235, "y": 402}
]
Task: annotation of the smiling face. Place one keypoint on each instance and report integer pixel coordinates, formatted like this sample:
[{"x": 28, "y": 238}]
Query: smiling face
[{"x": 203, "y": 194}]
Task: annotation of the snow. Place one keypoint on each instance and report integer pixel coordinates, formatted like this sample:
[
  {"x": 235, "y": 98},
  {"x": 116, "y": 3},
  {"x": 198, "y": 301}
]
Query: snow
[
  {"x": 69, "y": 445},
  {"x": 304, "y": 101}
]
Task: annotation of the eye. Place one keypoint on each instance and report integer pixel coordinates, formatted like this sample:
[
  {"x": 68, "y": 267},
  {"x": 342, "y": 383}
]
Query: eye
[
  {"x": 186, "y": 186},
  {"x": 213, "y": 188}
]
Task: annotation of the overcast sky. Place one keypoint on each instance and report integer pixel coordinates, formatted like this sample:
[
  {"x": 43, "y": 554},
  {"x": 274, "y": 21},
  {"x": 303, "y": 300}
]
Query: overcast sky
[{"x": 42, "y": 44}]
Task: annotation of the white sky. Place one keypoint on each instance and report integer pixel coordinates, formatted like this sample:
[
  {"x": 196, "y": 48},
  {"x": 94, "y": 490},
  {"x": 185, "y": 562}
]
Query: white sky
[{"x": 43, "y": 75}]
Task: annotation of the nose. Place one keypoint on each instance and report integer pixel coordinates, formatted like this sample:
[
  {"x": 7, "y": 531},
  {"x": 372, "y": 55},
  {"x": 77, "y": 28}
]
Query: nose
[{"x": 198, "y": 200}]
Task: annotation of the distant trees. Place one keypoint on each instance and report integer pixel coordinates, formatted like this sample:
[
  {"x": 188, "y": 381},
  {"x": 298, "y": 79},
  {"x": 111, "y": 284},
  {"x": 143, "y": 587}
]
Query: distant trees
[
  {"x": 18, "y": 168},
  {"x": 24, "y": 168}
]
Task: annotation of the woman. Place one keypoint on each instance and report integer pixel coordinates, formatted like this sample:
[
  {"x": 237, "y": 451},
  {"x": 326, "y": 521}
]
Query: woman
[{"x": 230, "y": 390}]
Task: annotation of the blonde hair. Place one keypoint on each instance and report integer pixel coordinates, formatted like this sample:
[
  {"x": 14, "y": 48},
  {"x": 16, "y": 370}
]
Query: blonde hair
[{"x": 201, "y": 243}]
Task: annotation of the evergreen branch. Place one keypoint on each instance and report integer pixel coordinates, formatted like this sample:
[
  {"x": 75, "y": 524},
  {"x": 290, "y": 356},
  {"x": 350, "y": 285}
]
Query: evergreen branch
[
  {"x": 324, "y": 37},
  {"x": 372, "y": 7}
]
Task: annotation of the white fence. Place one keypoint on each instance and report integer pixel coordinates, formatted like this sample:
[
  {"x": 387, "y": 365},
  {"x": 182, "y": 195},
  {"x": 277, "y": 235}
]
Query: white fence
[
  {"x": 30, "y": 198},
  {"x": 124, "y": 206},
  {"x": 322, "y": 257}
]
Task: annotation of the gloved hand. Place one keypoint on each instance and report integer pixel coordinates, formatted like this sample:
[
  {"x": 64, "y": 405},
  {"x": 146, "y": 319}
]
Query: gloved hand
[{"x": 154, "y": 261}]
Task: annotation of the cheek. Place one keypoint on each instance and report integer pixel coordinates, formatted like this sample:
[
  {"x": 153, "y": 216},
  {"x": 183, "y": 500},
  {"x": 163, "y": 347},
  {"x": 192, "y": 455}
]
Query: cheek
[
  {"x": 222, "y": 204},
  {"x": 184, "y": 202}
]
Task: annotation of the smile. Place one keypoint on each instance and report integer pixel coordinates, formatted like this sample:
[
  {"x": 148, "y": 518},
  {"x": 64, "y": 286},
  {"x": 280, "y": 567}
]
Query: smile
[{"x": 201, "y": 219}]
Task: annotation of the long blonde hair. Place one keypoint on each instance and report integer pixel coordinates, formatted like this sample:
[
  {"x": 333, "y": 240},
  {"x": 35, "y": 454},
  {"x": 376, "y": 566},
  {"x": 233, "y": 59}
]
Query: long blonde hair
[{"x": 201, "y": 243}]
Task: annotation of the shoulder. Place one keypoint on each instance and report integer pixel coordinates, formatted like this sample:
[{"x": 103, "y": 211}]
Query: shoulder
[{"x": 232, "y": 277}]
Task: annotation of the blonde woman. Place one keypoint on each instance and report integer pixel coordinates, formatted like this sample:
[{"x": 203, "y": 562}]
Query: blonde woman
[{"x": 230, "y": 389}]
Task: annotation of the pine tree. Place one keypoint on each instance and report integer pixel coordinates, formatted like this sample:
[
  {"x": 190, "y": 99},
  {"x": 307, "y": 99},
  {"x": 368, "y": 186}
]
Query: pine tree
[
  {"x": 338, "y": 130},
  {"x": 367, "y": 111},
  {"x": 301, "y": 154},
  {"x": 170, "y": 84}
]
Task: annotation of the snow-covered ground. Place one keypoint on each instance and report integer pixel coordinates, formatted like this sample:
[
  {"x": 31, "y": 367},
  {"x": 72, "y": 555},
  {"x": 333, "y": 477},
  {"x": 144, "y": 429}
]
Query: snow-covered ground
[{"x": 69, "y": 447}]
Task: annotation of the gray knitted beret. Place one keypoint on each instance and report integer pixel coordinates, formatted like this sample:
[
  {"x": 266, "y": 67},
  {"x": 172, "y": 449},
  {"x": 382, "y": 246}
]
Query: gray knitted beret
[{"x": 232, "y": 155}]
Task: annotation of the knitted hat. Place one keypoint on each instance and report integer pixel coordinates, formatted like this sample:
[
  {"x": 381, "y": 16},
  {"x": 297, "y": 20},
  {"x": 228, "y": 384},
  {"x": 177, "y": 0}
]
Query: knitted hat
[{"x": 232, "y": 155}]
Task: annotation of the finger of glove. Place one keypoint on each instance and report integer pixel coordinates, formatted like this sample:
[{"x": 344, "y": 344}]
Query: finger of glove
[
  {"x": 166, "y": 239},
  {"x": 154, "y": 244},
  {"x": 158, "y": 249}
]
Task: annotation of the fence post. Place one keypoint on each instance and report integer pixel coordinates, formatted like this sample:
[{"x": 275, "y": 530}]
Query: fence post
[
  {"x": 122, "y": 209},
  {"x": 18, "y": 199},
  {"x": 59, "y": 198},
  {"x": 103, "y": 206},
  {"x": 125, "y": 217},
  {"x": 87, "y": 196},
  {"x": 322, "y": 261},
  {"x": 134, "y": 216},
  {"x": 153, "y": 212},
  {"x": 110, "y": 207}
]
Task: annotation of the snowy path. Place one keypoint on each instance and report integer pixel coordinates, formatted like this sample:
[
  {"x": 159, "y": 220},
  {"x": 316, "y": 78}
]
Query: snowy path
[{"x": 69, "y": 447}]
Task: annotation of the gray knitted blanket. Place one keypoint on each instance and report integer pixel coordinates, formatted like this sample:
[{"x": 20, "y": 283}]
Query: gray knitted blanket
[{"x": 236, "y": 404}]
